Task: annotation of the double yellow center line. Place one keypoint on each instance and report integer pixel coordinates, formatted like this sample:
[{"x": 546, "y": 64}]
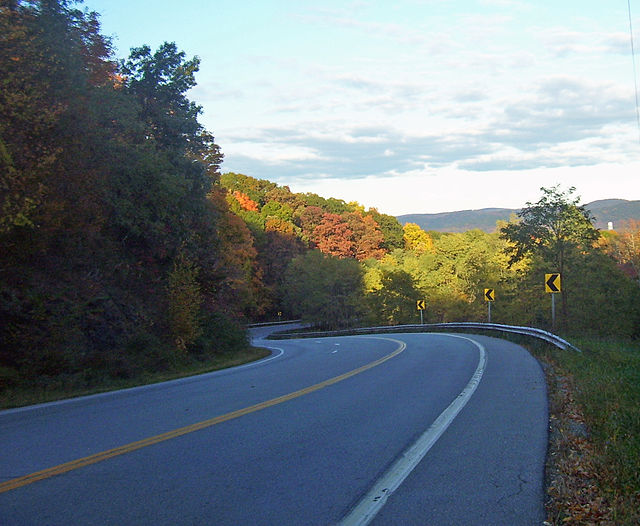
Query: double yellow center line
[{"x": 133, "y": 446}]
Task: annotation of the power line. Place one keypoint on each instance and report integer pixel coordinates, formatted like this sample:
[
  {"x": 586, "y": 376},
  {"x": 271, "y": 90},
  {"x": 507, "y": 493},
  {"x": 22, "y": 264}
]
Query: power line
[{"x": 635, "y": 76}]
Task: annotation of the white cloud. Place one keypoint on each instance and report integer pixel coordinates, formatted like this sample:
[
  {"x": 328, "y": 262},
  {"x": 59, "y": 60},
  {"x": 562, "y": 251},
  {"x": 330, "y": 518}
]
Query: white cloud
[
  {"x": 562, "y": 42},
  {"x": 472, "y": 94},
  {"x": 561, "y": 121},
  {"x": 450, "y": 189},
  {"x": 271, "y": 153}
]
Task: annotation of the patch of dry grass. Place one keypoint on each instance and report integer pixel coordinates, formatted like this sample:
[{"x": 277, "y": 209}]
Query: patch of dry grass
[{"x": 593, "y": 462}]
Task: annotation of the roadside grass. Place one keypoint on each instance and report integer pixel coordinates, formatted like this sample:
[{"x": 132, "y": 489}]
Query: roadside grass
[
  {"x": 593, "y": 465},
  {"x": 47, "y": 389}
]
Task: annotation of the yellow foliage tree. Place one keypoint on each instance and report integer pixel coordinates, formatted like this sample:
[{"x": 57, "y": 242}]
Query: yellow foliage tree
[{"x": 416, "y": 239}]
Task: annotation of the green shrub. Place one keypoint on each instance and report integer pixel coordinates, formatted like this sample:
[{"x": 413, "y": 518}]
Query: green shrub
[
  {"x": 220, "y": 335},
  {"x": 185, "y": 300}
]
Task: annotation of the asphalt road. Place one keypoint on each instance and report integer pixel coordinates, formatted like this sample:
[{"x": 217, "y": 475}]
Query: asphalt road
[{"x": 300, "y": 438}]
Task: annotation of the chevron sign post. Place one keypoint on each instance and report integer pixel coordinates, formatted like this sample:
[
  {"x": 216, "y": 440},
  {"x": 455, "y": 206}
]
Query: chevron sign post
[
  {"x": 421, "y": 305},
  {"x": 553, "y": 285},
  {"x": 489, "y": 297}
]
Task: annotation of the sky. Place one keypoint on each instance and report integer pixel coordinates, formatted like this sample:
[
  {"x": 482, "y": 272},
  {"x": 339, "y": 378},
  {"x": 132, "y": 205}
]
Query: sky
[{"x": 410, "y": 106}]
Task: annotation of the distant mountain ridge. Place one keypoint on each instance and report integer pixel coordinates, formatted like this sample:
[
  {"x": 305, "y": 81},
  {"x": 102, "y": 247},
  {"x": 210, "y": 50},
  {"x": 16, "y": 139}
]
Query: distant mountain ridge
[{"x": 604, "y": 210}]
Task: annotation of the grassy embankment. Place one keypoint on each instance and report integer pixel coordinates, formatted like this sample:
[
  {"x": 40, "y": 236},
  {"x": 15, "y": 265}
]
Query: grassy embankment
[
  {"x": 26, "y": 391},
  {"x": 593, "y": 466}
]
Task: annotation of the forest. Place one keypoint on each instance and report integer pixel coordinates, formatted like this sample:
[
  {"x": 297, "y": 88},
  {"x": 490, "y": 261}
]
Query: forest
[{"x": 125, "y": 248}]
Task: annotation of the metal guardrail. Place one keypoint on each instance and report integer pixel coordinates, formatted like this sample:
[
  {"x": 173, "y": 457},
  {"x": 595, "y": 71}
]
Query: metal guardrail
[{"x": 527, "y": 331}]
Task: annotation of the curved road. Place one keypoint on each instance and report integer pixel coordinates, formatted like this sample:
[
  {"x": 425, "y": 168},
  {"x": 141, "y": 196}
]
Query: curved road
[{"x": 303, "y": 437}]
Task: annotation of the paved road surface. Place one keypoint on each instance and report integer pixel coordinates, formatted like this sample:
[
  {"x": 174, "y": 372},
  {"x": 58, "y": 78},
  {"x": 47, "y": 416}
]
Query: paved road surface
[{"x": 306, "y": 457}]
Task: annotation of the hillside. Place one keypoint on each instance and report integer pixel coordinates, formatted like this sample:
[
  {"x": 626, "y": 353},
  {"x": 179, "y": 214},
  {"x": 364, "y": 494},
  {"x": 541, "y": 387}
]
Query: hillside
[
  {"x": 461, "y": 221},
  {"x": 604, "y": 211},
  {"x": 614, "y": 210}
]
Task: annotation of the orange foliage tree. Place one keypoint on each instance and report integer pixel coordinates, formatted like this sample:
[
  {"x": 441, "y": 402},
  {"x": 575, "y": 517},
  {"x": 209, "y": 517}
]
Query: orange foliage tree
[
  {"x": 367, "y": 237},
  {"x": 245, "y": 201},
  {"x": 334, "y": 237}
]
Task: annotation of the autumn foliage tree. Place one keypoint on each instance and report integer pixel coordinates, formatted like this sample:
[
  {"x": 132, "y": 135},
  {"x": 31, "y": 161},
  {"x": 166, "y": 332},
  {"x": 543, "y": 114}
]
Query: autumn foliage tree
[
  {"x": 245, "y": 202},
  {"x": 366, "y": 236},
  {"x": 555, "y": 229},
  {"x": 107, "y": 233},
  {"x": 628, "y": 246},
  {"x": 417, "y": 239},
  {"x": 334, "y": 237},
  {"x": 309, "y": 219}
]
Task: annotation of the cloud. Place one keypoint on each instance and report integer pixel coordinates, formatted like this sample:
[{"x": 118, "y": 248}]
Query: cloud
[
  {"x": 563, "y": 109},
  {"x": 562, "y": 121},
  {"x": 562, "y": 42},
  {"x": 470, "y": 95},
  {"x": 349, "y": 19}
]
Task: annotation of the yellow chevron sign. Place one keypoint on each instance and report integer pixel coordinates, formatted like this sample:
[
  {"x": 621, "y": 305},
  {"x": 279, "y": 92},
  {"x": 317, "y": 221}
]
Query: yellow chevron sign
[
  {"x": 489, "y": 294},
  {"x": 552, "y": 283},
  {"x": 421, "y": 305}
]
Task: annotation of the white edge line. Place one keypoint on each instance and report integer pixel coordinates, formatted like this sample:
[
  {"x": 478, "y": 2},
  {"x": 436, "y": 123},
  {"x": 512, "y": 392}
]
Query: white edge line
[
  {"x": 364, "y": 512},
  {"x": 258, "y": 362}
]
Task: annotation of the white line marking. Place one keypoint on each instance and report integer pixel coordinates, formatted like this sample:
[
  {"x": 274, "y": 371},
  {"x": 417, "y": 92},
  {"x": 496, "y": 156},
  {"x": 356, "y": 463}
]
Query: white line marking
[
  {"x": 364, "y": 512},
  {"x": 259, "y": 362}
]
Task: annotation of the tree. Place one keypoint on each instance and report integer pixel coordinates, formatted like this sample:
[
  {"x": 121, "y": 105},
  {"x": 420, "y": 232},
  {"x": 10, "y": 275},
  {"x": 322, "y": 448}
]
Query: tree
[
  {"x": 551, "y": 228},
  {"x": 53, "y": 60},
  {"x": 629, "y": 246},
  {"x": 282, "y": 194},
  {"x": 324, "y": 290},
  {"x": 229, "y": 262},
  {"x": 394, "y": 300},
  {"x": 277, "y": 248},
  {"x": 160, "y": 82},
  {"x": 245, "y": 202},
  {"x": 391, "y": 229},
  {"x": 366, "y": 236},
  {"x": 417, "y": 239},
  {"x": 554, "y": 229},
  {"x": 158, "y": 193},
  {"x": 105, "y": 228},
  {"x": 185, "y": 301},
  {"x": 256, "y": 189},
  {"x": 333, "y": 236},
  {"x": 278, "y": 210},
  {"x": 309, "y": 219},
  {"x": 608, "y": 300}
]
